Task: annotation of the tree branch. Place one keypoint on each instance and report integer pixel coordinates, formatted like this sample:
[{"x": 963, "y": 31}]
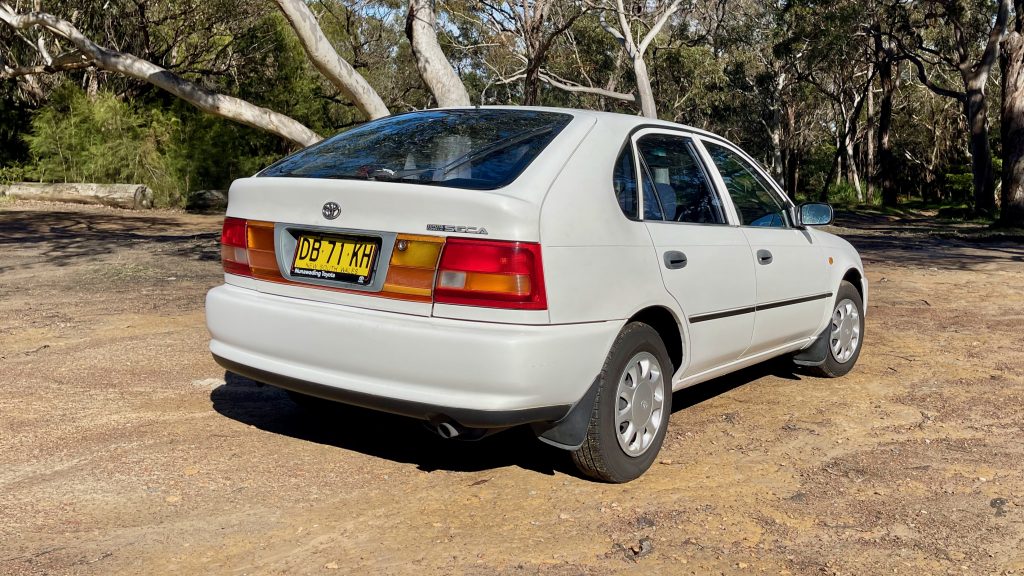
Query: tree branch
[
  {"x": 218, "y": 104},
  {"x": 995, "y": 36},
  {"x": 567, "y": 86},
  {"x": 326, "y": 59},
  {"x": 8, "y": 73},
  {"x": 922, "y": 75},
  {"x": 435, "y": 70},
  {"x": 610, "y": 30},
  {"x": 658, "y": 24}
]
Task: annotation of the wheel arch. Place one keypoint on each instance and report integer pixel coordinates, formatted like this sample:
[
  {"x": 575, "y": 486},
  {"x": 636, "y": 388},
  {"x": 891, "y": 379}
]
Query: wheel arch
[
  {"x": 853, "y": 276},
  {"x": 668, "y": 327}
]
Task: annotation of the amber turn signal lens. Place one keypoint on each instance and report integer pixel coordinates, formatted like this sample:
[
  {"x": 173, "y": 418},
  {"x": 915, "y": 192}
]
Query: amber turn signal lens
[
  {"x": 260, "y": 241},
  {"x": 411, "y": 270}
]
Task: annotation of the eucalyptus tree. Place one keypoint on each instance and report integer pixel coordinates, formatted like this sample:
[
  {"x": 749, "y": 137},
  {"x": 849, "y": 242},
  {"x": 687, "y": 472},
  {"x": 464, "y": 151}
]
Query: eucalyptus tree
[
  {"x": 960, "y": 39},
  {"x": 62, "y": 46},
  {"x": 770, "y": 45},
  {"x": 1012, "y": 125},
  {"x": 521, "y": 35},
  {"x": 887, "y": 60},
  {"x": 53, "y": 42},
  {"x": 431, "y": 62},
  {"x": 635, "y": 28}
]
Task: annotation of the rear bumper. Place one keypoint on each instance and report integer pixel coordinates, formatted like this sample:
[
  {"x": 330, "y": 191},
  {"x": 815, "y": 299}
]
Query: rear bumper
[
  {"x": 481, "y": 375},
  {"x": 467, "y": 417}
]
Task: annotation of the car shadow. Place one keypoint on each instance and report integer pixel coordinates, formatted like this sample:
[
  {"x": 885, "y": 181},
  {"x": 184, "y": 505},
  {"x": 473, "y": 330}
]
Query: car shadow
[
  {"x": 379, "y": 434},
  {"x": 408, "y": 440},
  {"x": 781, "y": 367}
]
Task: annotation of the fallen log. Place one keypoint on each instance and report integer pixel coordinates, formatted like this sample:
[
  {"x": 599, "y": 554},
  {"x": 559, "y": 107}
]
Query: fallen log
[{"x": 132, "y": 196}]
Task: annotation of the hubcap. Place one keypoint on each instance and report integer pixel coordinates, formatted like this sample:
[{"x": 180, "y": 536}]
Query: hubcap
[
  {"x": 845, "y": 335},
  {"x": 640, "y": 404}
]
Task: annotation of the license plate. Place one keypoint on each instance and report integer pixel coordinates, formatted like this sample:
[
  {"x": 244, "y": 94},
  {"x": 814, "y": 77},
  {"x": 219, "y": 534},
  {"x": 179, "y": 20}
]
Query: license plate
[{"x": 334, "y": 258}]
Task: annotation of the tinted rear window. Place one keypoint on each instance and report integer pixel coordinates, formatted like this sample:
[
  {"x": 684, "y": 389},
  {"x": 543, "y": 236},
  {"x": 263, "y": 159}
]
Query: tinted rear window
[{"x": 475, "y": 149}]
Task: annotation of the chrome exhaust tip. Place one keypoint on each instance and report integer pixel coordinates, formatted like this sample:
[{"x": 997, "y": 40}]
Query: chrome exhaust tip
[{"x": 447, "y": 430}]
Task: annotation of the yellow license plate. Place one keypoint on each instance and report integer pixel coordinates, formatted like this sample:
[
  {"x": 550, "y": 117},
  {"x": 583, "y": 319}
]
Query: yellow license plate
[{"x": 334, "y": 258}]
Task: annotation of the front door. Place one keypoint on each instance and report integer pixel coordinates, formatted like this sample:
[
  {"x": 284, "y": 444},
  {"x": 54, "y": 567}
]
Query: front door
[
  {"x": 705, "y": 262},
  {"x": 792, "y": 281}
]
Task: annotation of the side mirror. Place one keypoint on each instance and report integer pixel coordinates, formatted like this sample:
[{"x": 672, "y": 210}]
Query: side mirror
[{"x": 814, "y": 214}]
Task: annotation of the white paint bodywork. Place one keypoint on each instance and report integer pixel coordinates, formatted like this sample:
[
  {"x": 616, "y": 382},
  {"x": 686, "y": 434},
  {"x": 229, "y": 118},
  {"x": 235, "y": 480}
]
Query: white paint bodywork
[{"x": 600, "y": 269}]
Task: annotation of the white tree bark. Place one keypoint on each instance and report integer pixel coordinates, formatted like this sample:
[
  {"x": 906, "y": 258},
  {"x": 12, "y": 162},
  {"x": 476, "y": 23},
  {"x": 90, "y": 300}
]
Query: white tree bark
[
  {"x": 648, "y": 107},
  {"x": 326, "y": 59},
  {"x": 637, "y": 52},
  {"x": 435, "y": 70},
  {"x": 123, "y": 63},
  {"x": 568, "y": 86}
]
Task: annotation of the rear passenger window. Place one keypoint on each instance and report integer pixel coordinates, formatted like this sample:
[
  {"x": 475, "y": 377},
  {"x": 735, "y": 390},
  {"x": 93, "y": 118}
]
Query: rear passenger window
[
  {"x": 676, "y": 188},
  {"x": 624, "y": 181}
]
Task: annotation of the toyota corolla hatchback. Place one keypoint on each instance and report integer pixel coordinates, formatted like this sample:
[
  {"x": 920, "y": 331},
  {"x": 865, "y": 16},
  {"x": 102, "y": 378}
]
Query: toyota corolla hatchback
[{"x": 493, "y": 267}]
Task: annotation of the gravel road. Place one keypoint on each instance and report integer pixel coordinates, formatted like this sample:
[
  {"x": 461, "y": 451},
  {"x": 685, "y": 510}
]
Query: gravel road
[{"x": 124, "y": 449}]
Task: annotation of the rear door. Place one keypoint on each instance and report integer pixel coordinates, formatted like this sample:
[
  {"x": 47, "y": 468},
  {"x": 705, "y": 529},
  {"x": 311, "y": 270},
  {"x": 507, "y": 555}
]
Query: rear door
[
  {"x": 705, "y": 262},
  {"x": 791, "y": 272}
]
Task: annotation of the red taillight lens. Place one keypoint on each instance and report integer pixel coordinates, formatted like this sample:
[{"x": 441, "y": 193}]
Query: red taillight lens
[
  {"x": 492, "y": 274},
  {"x": 234, "y": 254}
]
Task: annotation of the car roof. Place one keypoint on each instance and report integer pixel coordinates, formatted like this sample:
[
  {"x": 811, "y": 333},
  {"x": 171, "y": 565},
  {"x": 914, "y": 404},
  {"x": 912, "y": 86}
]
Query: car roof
[{"x": 608, "y": 119}]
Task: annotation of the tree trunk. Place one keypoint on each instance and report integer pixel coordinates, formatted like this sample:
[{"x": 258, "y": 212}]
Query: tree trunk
[
  {"x": 435, "y": 70},
  {"x": 1012, "y": 133},
  {"x": 326, "y": 59},
  {"x": 643, "y": 87},
  {"x": 792, "y": 158},
  {"x": 531, "y": 83},
  {"x": 775, "y": 135},
  {"x": 833, "y": 171},
  {"x": 870, "y": 169},
  {"x": 976, "y": 113},
  {"x": 849, "y": 157},
  {"x": 886, "y": 159}
]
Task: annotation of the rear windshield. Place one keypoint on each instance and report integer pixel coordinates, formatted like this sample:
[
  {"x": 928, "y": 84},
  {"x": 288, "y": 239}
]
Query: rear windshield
[{"x": 474, "y": 149}]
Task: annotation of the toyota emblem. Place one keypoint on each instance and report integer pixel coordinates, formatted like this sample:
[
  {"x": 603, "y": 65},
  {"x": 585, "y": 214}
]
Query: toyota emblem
[{"x": 331, "y": 210}]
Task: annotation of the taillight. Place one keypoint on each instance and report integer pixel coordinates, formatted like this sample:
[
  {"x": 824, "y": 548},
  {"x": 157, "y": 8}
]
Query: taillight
[
  {"x": 260, "y": 241},
  {"x": 411, "y": 270},
  {"x": 234, "y": 253},
  {"x": 247, "y": 248},
  {"x": 486, "y": 273},
  {"x": 492, "y": 274}
]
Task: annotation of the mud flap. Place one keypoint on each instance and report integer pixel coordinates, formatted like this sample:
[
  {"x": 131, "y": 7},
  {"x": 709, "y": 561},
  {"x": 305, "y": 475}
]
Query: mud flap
[
  {"x": 570, "y": 432},
  {"x": 816, "y": 353}
]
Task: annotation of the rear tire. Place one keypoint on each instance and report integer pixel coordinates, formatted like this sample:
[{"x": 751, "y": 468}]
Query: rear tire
[
  {"x": 845, "y": 334},
  {"x": 631, "y": 413}
]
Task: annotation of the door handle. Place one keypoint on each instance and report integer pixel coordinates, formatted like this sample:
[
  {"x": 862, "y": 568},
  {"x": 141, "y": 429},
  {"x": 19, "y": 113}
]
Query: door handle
[
  {"x": 764, "y": 257},
  {"x": 675, "y": 259}
]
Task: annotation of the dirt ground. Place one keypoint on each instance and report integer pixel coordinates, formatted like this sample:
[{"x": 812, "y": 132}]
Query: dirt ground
[{"x": 124, "y": 449}]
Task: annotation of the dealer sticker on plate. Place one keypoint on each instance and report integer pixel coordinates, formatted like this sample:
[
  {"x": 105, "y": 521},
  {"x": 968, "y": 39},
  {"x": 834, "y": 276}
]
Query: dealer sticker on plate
[{"x": 334, "y": 258}]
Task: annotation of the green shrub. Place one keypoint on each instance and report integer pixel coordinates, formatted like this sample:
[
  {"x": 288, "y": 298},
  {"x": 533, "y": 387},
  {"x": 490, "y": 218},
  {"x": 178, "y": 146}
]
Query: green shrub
[
  {"x": 843, "y": 194},
  {"x": 16, "y": 173},
  {"x": 958, "y": 185},
  {"x": 78, "y": 139}
]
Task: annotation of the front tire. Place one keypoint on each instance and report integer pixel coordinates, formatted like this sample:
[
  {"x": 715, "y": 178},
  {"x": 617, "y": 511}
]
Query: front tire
[
  {"x": 634, "y": 401},
  {"x": 845, "y": 333}
]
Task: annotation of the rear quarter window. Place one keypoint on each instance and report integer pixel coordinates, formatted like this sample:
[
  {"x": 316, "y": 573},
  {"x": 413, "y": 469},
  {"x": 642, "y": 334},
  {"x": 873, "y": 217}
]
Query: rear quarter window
[{"x": 472, "y": 149}]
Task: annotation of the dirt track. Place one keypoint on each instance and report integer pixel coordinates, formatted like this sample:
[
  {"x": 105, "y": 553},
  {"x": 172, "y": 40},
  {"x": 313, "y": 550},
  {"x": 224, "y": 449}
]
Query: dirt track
[{"x": 123, "y": 450}]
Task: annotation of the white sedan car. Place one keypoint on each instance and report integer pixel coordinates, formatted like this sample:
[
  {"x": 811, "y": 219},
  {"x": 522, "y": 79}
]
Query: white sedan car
[{"x": 484, "y": 268}]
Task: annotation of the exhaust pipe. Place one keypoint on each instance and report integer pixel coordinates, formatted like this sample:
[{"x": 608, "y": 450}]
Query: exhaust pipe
[
  {"x": 450, "y": 429},
  {"x": 447, "y": 430}
]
